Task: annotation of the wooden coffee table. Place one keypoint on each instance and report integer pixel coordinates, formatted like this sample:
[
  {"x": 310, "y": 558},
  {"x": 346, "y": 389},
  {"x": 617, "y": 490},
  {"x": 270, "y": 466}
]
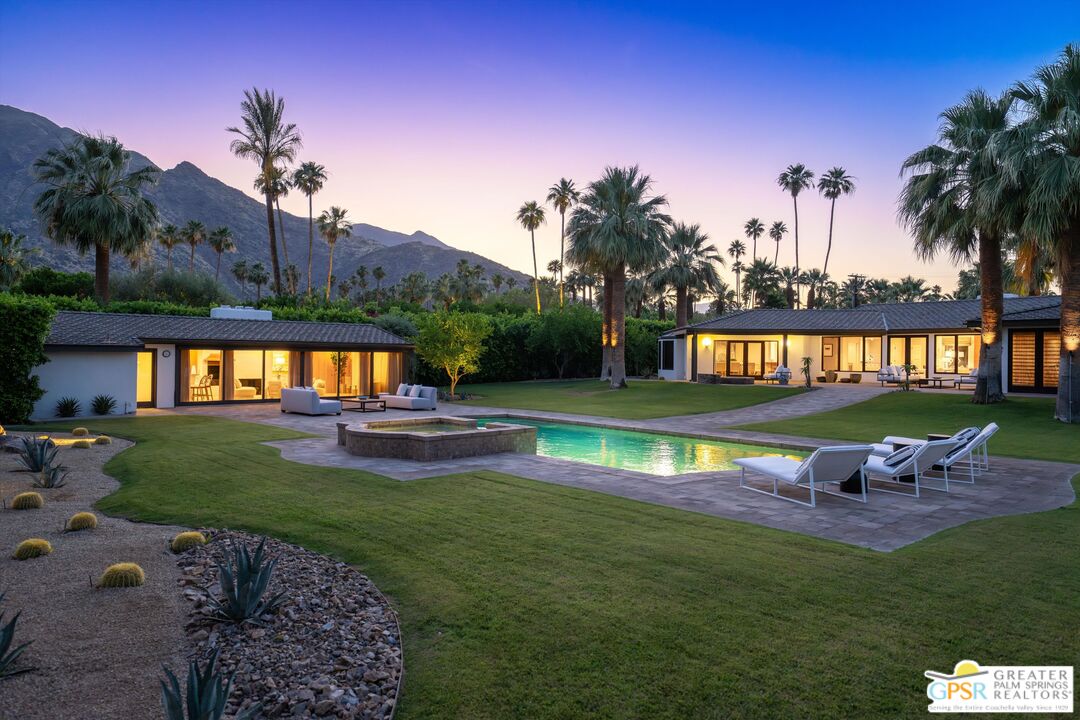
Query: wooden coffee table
[{"x": 363, "y": 404}]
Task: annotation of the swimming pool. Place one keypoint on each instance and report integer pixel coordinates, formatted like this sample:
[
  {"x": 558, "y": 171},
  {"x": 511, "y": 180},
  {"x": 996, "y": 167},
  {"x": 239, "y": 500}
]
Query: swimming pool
[{"x": 652, "y": 453}]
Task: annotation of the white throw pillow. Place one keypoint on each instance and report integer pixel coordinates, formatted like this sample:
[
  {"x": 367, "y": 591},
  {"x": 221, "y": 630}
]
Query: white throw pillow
[
  {"x": 899, "y": 456},
  {"x": 414, "y": 391},
  {"x": 402, "y": 390}
]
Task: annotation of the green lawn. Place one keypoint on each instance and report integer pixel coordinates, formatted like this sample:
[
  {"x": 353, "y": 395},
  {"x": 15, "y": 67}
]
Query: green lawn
[
  {"x": 522, "y": 599},
  {"x": 1028, "y": 428},
  {"x": 643, "y": 399}
]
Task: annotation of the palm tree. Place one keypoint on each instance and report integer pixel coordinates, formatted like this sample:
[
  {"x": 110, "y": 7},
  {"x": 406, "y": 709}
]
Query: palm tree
[
  {"x": 414, "y": 287},
  {"x": 333, "y": 225},
  {"x": 691, "y": 262},
  {"x": 957, "y": 198},
  {"x": 14, "y": 258},
  {"x": 789, "y": 276},
  {"x": 815, "y": 279},
  {"x": 193, "y": 233},
  {"x": 511, "y": 282},
  {"x": 762, "y": 278},
  {"x": 268, "y": 140},
  {"x": 258, "y": 276},
  {"x": 221, "y": 240},
  {"x": 531, "y": 216},
  {"x": 834, "y": 183},
  {"x": 736, "y": 249},
  {"x": 276, "y": 184},
  {"x": 1046, "y": 147},
  {"x": 169, "y": 237},
  {"x": 777, "y": 232},
  {"x": 794, "y": 180},
  {"x": 497, "y": 282},
  {"x": 753, "y": 229},
  {"x": 562, "y": 195},
  {"x": 309, "y": 179},
  {"x": 909, "y": 289},
  {"x": 378, "y": 273},
  {"x": 94, "y": 201},
  {"x": 617, "y": 226},
  {"x": 240, "y": 272}
]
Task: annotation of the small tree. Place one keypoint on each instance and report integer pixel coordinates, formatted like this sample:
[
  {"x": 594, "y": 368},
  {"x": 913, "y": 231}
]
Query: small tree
[
  {"x": 453, "y": 341},
  {"x": 806, "y": 370},
  {"x": 566, "y": 335}
]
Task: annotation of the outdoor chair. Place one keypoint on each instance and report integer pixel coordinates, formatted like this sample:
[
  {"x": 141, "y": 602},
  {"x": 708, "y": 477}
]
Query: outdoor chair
[
  {"x": 971, "y": 452},
  {"x": 912, "y": 461},
  {"x": 826, "y": 465}
]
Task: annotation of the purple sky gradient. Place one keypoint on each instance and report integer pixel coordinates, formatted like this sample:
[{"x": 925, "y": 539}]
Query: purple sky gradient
[{"x": 445, "y": 117}]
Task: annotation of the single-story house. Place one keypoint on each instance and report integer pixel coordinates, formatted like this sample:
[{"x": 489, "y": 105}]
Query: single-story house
[
  {"x": 235, "y": 355},
  {"x": 941, "y": 339}
]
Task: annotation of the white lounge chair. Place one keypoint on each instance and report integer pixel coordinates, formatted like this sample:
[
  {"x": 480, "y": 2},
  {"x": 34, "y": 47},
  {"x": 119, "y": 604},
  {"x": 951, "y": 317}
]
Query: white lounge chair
[
  {"x": 914, "y": 460},
  {"x": 826, "y": 465},
  {"x": 970, "y": 454}
]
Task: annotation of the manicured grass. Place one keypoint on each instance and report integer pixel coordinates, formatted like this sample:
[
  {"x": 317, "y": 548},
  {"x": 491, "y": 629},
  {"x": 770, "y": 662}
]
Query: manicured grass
[
  {"x": 521, "y": 599},
  {"x": 643, "y": 399},
  {"x": 1028, "y": 428}
]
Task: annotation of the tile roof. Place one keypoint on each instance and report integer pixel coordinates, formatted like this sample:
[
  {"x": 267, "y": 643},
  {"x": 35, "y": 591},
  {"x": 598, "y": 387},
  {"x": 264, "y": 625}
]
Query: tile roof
[
  {"x": 878, "y": 318},
  {"x": 123, "y": 330}
]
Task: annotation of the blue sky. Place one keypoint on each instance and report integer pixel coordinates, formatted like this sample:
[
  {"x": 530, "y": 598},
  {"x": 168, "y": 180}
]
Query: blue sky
[{"x": 445, "y": 117}]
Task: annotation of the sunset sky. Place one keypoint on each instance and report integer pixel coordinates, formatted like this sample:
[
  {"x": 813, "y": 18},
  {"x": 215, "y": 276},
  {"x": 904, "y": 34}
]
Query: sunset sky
[{"x": 446, "y": 116}]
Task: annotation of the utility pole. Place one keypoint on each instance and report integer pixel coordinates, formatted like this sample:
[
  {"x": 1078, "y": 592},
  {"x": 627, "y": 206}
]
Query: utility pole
[{"x": 856, "y": 282}]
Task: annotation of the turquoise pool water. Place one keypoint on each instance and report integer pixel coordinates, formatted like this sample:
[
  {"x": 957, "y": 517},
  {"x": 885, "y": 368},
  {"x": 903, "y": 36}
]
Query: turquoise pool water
[{"x": 645, "y": 452}]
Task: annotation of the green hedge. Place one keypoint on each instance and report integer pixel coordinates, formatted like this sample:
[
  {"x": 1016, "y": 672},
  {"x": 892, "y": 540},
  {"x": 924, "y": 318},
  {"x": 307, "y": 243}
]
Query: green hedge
[{"x": 24, "y": 325}]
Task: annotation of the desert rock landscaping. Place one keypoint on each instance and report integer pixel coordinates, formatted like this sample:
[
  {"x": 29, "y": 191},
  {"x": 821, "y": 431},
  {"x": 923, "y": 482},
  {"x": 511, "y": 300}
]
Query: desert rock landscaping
[{"x": 330, "y": 649}]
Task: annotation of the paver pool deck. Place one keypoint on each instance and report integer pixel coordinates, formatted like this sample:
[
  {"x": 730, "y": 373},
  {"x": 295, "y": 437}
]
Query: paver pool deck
[{"x": 887, "y": 522}]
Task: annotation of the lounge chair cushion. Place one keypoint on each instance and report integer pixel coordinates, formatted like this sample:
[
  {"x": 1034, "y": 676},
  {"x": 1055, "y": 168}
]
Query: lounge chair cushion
[
  {"x": 900, "y": 456},
  {"x": 774, "y": 466}
]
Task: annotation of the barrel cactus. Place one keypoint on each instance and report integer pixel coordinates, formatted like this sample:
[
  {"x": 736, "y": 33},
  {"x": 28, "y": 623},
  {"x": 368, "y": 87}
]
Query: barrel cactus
[
  {"x": 122, "y": 575},
  {"x": 80, "y": 432},
  {"x": 32, "y": 548},
  {"x": 103, "y": 440},
  {"x": 81, "y": 521},
  {"x": 187, "y": 540},
  {"x": 81, "y": 444},
  {"x": 27, "y": 501}
]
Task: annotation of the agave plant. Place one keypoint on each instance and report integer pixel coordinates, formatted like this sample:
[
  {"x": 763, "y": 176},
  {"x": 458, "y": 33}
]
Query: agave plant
[
  {"x": 37, "y": 453},
  {"x": 103, "y": 404},
  {"x": 244, "y": 582},
  {"x": 207, "y": 694},
  {"x": 52, "y": 476},
  {"x": 8, "y": 656},
  {"x": 67, "y": 407}
]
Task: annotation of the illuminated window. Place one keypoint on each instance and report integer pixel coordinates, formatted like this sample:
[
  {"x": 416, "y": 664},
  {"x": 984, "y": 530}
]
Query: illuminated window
[{"x": 956, "y": 353}]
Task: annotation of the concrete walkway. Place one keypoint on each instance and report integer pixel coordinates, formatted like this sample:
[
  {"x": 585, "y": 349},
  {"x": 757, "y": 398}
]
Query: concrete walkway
[{"x": 887, "y": 522}]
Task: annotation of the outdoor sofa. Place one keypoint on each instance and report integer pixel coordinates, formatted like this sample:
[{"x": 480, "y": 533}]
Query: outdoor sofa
[
  {"x": 894, "y": 374},
  {"x": 306, "y": 401},
  {"x": 972, "y": 379},
  {"x": 412, "y": 397}
]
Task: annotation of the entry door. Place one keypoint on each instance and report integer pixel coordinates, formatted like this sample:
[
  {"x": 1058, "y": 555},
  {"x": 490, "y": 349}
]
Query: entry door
[{"x": 146, "y": 379}]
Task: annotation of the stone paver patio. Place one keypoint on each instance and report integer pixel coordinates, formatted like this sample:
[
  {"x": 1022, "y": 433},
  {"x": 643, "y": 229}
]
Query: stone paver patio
[{"x": 887, "y": 522}]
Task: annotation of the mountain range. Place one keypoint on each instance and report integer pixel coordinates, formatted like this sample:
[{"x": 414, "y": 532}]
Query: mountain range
[{"x": 186, "y": 193}]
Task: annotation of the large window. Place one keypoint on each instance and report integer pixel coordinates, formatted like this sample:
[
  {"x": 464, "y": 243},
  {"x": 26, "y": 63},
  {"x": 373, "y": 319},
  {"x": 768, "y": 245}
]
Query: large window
[
  {"x": 749, "y": 358},
  {"x": 213, "y": 374},
  {"x": 909, "y": 351},
  {"x": 956, "y": 353},
  {"x": 851, "y": 353}
]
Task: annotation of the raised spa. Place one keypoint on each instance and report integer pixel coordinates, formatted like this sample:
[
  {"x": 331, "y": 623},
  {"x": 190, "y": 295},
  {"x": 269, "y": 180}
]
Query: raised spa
[{"x": 434, "y": 438}]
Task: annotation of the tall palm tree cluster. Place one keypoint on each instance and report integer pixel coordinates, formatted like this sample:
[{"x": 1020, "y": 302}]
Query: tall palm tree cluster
[
  {"x": 1005, "y": 172},
  {"x": 265, "y": 137}
]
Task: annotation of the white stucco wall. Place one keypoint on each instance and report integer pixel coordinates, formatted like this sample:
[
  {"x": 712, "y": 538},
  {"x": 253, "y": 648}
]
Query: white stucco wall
[
  {"x": 166, "y": 374},
  {"x": 83, "y": 375}
]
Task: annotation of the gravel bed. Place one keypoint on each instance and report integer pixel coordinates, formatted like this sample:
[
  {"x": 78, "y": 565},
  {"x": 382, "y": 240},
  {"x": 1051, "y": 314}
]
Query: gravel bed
[
  {"x": 97, "y": 653},
  {"x": 331, "y": 650}
]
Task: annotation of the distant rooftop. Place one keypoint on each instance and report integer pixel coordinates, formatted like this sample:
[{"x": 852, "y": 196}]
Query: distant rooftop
[
  {"x": 880, "y": 317},
  {"x": 126, "y": 330}
]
